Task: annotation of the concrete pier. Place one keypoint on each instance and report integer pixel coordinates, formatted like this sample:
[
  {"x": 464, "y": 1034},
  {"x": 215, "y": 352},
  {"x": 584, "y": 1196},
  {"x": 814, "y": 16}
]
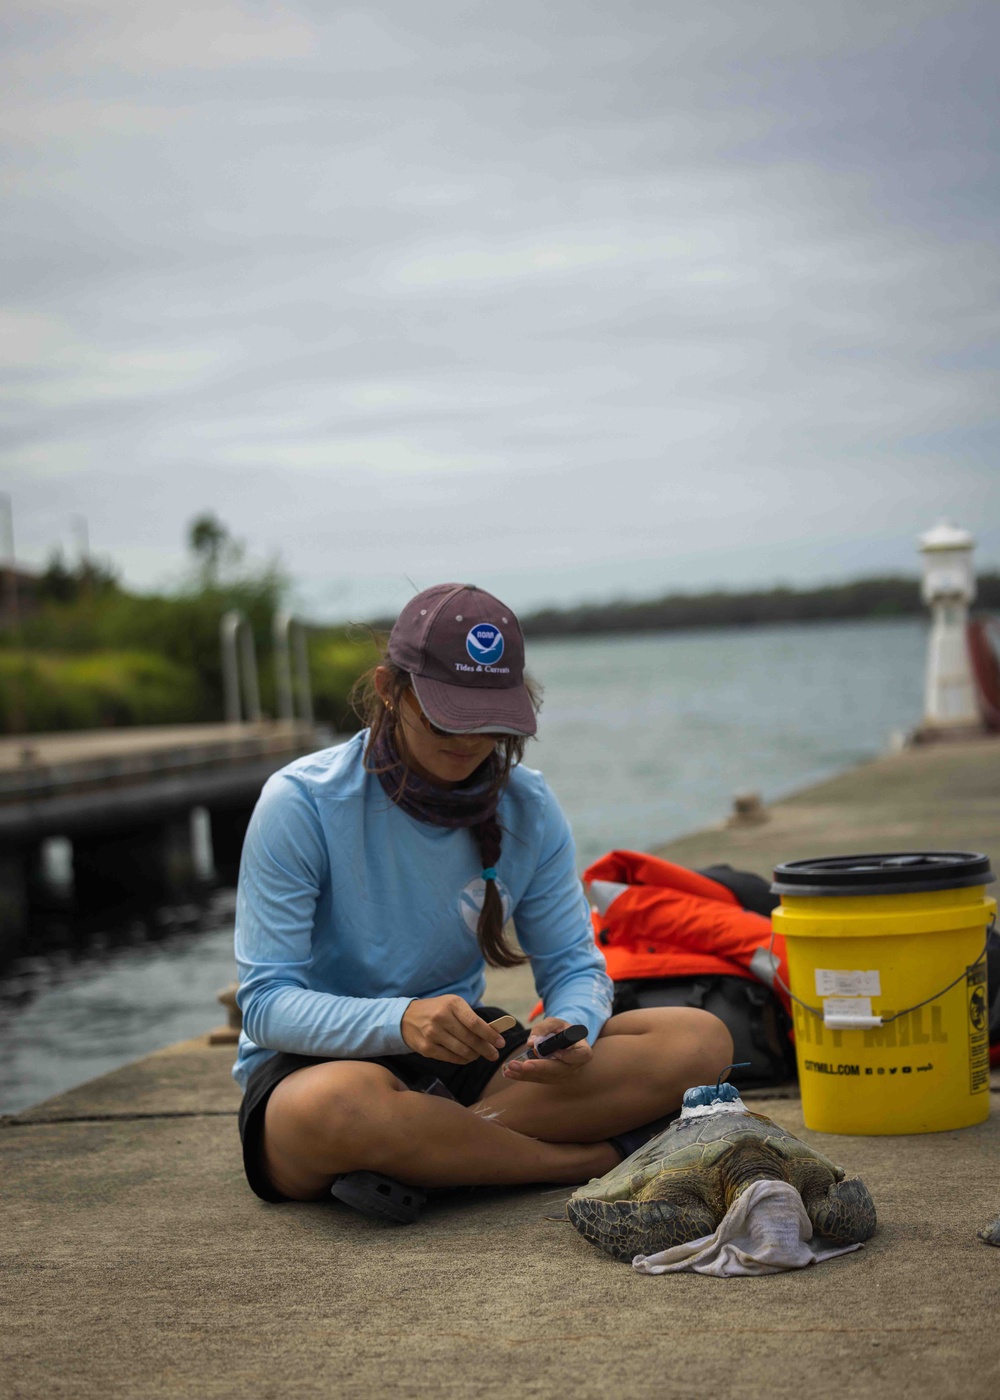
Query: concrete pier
[{"x": 137, "y": 1263}]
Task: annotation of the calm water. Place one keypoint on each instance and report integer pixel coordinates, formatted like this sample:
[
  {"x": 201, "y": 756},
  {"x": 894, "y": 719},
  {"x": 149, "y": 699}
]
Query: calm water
[{"x": 642, "y": 739}]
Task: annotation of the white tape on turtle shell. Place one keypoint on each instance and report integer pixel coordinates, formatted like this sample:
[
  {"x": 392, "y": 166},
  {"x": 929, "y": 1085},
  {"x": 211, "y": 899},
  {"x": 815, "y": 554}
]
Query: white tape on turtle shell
[{"x": 837, "y": 982}]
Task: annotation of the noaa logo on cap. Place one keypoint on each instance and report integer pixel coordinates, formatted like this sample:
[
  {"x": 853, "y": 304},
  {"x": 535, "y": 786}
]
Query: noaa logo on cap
[{"x": 484, "y": 644}]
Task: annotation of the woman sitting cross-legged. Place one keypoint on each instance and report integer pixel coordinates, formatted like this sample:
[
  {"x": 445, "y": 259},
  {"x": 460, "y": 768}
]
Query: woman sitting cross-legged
[{"x": 376, "y": 881}]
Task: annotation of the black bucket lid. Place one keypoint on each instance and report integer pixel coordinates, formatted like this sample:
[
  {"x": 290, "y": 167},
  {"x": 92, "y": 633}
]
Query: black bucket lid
[{"x": 895, "y": 872}]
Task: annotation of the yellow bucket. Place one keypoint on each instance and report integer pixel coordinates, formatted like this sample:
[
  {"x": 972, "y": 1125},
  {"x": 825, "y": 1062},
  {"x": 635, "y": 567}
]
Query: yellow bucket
[{"x": 887, "y": 966}]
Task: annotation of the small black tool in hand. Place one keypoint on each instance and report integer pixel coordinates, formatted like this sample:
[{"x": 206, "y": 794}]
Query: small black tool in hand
[{"x": 562, "y": 1040}]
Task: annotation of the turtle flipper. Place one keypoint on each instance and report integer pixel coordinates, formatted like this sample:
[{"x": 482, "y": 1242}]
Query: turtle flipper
[
  {"x": 845, "y": 1214},
  {"x": 624, "y": 1229},
  {"x": 991, "y": 1235}
]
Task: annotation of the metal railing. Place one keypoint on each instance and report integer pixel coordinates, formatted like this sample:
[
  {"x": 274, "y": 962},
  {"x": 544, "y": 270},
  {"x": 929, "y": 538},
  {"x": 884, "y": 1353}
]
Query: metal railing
[
  {"x": 289, "y": 639},
  {"x": 241, "y": 689},
  {"x": 239, "y": 655}
]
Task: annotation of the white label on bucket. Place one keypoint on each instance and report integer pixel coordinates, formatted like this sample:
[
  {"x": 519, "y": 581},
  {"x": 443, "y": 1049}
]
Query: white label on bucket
[
  {"x": 837, "y": 1008},
  {"x": 830, "y": 983}
]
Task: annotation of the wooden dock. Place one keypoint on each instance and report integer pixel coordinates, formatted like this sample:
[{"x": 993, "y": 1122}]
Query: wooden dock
[
  {"x": 37, "y": 769},
  {"x": 124, "y": 799}
]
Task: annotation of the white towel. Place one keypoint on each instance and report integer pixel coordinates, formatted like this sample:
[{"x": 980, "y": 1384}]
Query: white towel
[{"x": 764, "y": 1231}]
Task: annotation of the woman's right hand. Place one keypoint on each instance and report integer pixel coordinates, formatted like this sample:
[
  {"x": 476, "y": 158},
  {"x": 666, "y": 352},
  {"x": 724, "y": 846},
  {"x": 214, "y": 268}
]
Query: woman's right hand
[{"x": 447, "y": 1028}]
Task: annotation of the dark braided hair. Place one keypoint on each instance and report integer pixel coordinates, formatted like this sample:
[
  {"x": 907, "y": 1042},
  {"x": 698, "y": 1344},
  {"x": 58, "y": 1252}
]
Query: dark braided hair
[
  {"x": 377, "y": 711},
  {"x": 493, "y": 945}
]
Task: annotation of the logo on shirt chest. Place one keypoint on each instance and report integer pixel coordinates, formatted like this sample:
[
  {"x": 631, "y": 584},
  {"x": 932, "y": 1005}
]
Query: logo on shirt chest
[{"x": 470, "y": 901}]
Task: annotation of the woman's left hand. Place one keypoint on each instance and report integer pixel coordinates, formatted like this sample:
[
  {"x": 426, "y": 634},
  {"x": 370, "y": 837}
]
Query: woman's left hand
[{"x": 556, "y": 1068}]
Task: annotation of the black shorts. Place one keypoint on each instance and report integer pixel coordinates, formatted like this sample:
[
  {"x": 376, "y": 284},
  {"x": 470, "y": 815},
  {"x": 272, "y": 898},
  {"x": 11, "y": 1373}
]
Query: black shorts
[{"x": 465, "y": 1083}]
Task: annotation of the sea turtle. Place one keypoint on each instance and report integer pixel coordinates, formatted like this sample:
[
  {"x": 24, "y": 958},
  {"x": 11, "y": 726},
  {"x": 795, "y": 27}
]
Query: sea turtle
[
  {"x": 991, "y": 1234},
  {"x": 680, "y": 1184}
]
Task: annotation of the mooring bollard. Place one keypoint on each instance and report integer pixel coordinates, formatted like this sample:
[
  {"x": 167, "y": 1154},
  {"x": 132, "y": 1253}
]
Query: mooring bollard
[
  {"x": 228, "y": 1034},
  {"x": 748, "y": 810}
]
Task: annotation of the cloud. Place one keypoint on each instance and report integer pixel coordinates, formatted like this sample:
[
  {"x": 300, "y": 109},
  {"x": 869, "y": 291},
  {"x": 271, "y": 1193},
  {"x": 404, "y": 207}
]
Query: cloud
[
  {"x": 148, "y": 40},
  {"x": 634, "y": 298}
]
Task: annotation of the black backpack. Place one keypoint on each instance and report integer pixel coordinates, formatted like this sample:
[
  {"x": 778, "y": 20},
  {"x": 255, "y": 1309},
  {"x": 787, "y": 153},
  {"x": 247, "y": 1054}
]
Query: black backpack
[{"x": 755, "y": 1017}]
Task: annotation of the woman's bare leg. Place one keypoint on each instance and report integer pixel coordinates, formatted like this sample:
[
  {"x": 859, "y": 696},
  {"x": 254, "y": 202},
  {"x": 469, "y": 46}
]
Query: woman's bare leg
[
  {"x": 347, "y": 1115},
  {"x": 642, "y": 1063}
]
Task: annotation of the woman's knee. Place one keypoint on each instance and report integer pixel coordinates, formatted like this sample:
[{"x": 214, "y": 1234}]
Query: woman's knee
[
  {"x": 696, "y": 1045},
  {"x": 705, "y": 1043},
  {"x": 330, "y": 1103}
]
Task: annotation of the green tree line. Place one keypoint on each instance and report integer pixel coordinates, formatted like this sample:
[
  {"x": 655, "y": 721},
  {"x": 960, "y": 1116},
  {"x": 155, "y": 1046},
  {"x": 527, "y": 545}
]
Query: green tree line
[{"x": 92, "y": 654}]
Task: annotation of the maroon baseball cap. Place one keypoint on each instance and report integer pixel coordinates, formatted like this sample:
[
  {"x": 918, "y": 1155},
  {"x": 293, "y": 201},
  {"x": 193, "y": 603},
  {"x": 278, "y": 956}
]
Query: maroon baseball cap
[{"x": 465, "y": 654}]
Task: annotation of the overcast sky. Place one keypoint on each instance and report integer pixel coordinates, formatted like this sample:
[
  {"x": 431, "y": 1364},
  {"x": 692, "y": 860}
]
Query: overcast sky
[{"x": 567, "y": 299}]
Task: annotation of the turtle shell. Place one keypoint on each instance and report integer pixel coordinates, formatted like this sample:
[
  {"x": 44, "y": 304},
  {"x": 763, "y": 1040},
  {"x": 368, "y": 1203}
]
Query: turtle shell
[{"x": 693, "y": 1142}]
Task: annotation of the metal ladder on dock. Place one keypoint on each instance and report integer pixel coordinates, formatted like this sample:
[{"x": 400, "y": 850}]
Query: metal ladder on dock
[{"x": 241, "y": 688}]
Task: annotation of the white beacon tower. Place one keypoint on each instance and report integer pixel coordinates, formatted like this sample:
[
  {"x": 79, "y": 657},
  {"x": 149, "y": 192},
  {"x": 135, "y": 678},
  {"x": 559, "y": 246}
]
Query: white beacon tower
[{"x": 949, "y": 586}]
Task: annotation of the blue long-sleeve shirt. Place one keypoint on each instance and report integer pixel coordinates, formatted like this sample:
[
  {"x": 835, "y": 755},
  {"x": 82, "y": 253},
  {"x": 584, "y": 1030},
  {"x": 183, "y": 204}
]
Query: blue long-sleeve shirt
[{"x": 348, "y": 909}]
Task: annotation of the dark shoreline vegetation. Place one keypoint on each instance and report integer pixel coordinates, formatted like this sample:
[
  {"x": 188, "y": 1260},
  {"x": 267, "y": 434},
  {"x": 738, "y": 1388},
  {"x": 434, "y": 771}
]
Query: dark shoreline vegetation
[
  {"x": 875, "y": 598},
  {"x": 89, "y": 654}
]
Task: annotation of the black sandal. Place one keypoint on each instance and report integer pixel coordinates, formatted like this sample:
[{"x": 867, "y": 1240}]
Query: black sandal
[{"x": 379, "y": 1196}]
